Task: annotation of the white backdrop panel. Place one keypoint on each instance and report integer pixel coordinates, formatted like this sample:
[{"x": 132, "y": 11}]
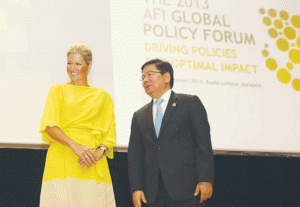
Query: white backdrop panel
[{"x": 240, "y": 57}]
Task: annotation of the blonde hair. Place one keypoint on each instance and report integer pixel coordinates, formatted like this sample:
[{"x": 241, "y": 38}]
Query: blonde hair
[{"x": 83, "y": 50}]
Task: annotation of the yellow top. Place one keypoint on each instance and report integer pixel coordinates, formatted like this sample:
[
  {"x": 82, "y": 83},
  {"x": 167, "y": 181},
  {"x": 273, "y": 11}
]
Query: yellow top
[{"x": 85, "y": 114}]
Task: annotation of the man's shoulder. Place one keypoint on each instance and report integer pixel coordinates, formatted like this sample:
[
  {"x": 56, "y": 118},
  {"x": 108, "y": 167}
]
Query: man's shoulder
[
  {"x": 144, "y": 108},
  {"x": 184, "y": 96}
]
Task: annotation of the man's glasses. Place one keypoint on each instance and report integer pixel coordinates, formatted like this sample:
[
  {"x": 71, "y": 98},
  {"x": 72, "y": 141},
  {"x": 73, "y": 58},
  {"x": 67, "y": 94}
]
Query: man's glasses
[{"x": 149, "y": 75}]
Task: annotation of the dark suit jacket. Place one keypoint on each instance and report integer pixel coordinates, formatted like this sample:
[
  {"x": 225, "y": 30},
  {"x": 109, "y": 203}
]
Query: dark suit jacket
[{"x": 182, "y": 151}]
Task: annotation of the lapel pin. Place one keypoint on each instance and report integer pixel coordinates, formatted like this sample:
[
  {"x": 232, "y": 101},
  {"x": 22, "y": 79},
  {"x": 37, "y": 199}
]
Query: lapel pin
[{"x": 174, "y": 104}]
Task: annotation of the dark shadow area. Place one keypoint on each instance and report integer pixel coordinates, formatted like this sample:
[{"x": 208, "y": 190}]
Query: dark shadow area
[{"x": 240, "y": 181}]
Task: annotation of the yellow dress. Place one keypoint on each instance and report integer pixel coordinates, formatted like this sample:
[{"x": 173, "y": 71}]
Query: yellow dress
[{"x": 86, "y": 115}]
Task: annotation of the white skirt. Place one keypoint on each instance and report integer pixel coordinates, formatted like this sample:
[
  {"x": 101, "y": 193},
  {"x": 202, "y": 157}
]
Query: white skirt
[{"x": 74, "y": 192}]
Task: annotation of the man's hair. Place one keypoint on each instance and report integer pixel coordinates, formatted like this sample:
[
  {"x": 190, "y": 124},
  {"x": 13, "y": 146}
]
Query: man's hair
[{"x": 162, "y": 66}]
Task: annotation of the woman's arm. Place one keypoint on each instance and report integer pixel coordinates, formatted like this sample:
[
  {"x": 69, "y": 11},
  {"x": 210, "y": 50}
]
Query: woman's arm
[{"x": 86, "y": 154}]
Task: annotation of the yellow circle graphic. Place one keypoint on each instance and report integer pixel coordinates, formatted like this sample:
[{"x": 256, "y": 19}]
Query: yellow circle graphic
[
  {"x": 295, "y": 21},
  {"x": 285, "y": 29},
  {"x": 278, "y": 24},
  {"x": 296, "y": 84},
  {"x": 271, "y": 64},
  {"x": 262, "y": 11},
  {"x": 290, "y": 33},
  {"x": 283, "y": 76},
  {"x": 273, "y": 32},
  {"x": 267, "y": 21},
  {"x": 290, "y": 66},
  {"x": 272, "y": 12},
  {"x": 294, "y": 56},
  {"x": 265, "y": 53},
  {"x": 282, "y": 44},
  {"x": 284, "y": 15}
]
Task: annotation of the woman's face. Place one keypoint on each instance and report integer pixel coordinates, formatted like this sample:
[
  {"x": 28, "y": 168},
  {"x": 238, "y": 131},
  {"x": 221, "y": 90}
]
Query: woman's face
[{"x": 77, "y": 68}]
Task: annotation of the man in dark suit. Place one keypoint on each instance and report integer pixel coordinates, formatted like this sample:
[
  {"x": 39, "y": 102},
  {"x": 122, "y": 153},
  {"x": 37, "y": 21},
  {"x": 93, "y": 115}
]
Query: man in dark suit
[{"x": 170, "y": 159}]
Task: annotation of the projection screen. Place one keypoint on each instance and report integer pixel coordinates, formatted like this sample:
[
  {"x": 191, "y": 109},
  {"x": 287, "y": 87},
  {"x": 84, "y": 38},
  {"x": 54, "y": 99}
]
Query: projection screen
[{"x": 242, "y": 58}]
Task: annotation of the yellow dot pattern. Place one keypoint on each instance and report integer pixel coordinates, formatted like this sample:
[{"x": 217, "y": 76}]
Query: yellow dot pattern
[
  {"x": 273, "y": 33},
  {"x": 265, "y": 53},
  {"x": 285, "y": 29},
  {"x": 282, "y": 44},
  {"x": 295, "y": 21},
  {"x": 296, "y": 84},
  {"x": 284, "y": 15},
  {"x": 278, "y": 24},
  {"x": 267, "y": 21},
  {"x": 290, "y": 66},
  {"x": 290, "y": 33},
  {"x": 284, "y": 76},
  {"x": 272, "y": 13},
  {"x": 262, "y": 11},
  {"x": 294, "y": 56},
  {"x": 271, "y": 64}
]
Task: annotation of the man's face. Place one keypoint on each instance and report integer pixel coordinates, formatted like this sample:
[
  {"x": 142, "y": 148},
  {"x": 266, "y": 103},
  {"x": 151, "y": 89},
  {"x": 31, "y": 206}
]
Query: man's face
[{"x": 155, "y": 82}]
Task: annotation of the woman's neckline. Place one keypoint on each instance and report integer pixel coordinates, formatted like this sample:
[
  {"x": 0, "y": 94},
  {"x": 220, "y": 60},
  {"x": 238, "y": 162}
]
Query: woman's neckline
[{"x": 88, "y": 86}]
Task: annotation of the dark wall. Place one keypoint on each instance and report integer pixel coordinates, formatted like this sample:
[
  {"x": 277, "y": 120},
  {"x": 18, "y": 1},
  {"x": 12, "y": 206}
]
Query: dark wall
[{"x": 241, "y": 181}]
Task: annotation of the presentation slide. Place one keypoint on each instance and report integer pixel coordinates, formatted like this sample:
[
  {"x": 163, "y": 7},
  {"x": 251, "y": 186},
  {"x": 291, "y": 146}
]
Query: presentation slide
[{"x": 241, "y": 58}]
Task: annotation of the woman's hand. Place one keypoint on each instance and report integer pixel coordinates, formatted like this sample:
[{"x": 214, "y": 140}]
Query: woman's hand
[
  {"x": 86, "y": 154},
  {"x": 98, "y": 153}
]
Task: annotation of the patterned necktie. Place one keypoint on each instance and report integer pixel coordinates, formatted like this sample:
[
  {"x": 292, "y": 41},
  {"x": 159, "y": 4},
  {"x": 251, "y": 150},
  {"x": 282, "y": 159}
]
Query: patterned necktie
[{"x": 158, "y": 116}]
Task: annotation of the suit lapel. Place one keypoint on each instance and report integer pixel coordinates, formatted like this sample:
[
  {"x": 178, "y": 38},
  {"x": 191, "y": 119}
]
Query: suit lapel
[
  {"x": 173, "y": 101},
  {"x": 149, "y": 118}
]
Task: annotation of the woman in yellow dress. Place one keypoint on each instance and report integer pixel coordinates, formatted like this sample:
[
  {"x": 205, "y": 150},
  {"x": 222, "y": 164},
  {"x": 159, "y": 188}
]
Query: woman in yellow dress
[{"x": 79, "y": 124}]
